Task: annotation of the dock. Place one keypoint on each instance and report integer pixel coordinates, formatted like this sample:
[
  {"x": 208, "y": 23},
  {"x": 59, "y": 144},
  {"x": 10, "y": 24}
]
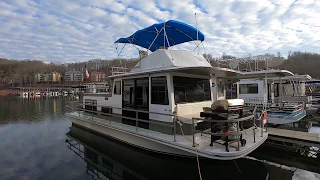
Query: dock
[
  {"x": 291, "y": 148},
  {"x": 305, "y": 143},
  {"x": 275, "y": 133}
]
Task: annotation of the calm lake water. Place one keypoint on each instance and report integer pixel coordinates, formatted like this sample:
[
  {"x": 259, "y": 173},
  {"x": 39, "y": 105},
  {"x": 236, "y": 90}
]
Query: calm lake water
[{"x": 37, "y": 141}]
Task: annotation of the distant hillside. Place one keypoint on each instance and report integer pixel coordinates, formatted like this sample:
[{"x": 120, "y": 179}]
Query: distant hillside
[
  {"x": 303, "y": 63},
  {"x": 14, "y": 71},
  {"x": 297, "y": 62}
]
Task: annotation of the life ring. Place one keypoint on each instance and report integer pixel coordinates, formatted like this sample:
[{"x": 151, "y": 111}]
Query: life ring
[{"x": 264, "y": 115}]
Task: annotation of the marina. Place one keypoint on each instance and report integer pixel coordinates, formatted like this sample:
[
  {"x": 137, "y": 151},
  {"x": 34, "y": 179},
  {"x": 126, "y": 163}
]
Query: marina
[{"x": 159, "y": 90}]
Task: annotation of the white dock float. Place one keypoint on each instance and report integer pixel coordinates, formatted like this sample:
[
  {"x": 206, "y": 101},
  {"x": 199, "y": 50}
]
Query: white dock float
[{"x": 306, "y": 136}]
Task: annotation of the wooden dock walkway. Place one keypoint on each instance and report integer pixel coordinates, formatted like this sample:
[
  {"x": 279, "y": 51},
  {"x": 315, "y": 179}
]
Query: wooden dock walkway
[{"x": 305, "y": 136}]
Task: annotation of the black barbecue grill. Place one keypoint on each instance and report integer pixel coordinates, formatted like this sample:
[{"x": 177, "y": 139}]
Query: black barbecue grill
[{"x": 225, "y": 110}]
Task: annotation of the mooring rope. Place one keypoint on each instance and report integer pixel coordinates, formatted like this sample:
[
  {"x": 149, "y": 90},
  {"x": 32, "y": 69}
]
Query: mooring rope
[{"x": 195, "y": 146}]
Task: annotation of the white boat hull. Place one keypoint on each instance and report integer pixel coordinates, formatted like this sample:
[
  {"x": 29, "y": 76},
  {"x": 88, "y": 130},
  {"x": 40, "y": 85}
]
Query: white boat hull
[
  {"x": 168, "y": 147},
  {"x": 132, "y": 139}
]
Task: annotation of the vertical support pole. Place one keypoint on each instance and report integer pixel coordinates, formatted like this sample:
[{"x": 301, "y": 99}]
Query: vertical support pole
[
  {"x": 238, "y": 134},
  {"x": 265, "y": 103},
  {"x": 193, "y": 143},
  {"x": 280, "y": 91},
  {"x": 92, "y": 111},
  {"x": 265, "y": 99},
  {"x": 261, "y": 123},
  {"x": 254, "y": 135},
  {"x": 137, "y": 121},
  {"x": 174, "y": 127}
]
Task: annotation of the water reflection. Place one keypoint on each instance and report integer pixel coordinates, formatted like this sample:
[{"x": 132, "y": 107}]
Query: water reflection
[
  {"x": 22, "y": 110},
  {"x": 32, "y": 146},
  {"x": 107, "y": 159}
]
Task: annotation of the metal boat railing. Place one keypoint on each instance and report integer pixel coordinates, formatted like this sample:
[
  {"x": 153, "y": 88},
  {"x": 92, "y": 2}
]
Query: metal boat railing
[
  {"x": 240, "y": 131},
  {"x": 92, "y": 112},
  {"x": 98, "y": 90},
  {"x": 284, "y": 104}
]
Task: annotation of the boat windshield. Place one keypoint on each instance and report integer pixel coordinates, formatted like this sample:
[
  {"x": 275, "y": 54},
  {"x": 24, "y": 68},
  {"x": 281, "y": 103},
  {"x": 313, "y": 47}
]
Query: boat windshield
[{"x": 187, "y": 90}]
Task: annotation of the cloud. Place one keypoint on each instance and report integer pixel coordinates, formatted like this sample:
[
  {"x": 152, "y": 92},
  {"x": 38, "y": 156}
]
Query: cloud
[{"x": 66, "y": 30}]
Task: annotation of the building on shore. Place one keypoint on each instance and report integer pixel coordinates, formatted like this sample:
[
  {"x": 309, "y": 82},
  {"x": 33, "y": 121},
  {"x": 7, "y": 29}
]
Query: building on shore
[
  {"x": 54, "y": 77},
  {"x": 41, "y": 78},
  {"x": 97, "y": 76},
  {"x": 73, "y": 76}
]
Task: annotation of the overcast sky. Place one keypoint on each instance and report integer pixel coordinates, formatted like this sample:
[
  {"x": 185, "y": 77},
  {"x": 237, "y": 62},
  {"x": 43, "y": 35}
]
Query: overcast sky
[{"x": 78, "y": 30}]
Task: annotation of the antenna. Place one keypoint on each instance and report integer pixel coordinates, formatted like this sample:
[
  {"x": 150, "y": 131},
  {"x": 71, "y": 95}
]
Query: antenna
[{"x": 195, "y": 15}]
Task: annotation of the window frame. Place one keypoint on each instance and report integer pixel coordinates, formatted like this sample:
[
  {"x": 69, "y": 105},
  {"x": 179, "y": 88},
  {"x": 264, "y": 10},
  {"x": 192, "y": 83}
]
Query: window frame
[
  {"x": 247, "y": 88},
  {"x": 203, "y": 82},
  {"x": 166, "y": 93},
  {"x": 115, "y": 88}
]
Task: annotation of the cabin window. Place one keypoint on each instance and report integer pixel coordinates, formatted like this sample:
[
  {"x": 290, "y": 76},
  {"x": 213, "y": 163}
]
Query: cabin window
[
  {"x": 276, "y": 90},
  {"x": 159, "y": 90},
  {"x": 191, "y": 89},
  {"x": 117, "y": 88},
  {"x": 248, "y": 88},
  {"x": 221, "y": 90}
]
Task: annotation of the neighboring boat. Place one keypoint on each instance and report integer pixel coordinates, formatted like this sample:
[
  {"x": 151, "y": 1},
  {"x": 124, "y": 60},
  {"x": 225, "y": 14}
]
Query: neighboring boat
[
  {"x": 97, "y": 88},
  {"x": 65, "y": 93},
  {"x": 173, "y": 101},
  {"x": 286, "y": 98},
  {"x": 38, "y": 93},
  {"x": 25, "y": 94}
]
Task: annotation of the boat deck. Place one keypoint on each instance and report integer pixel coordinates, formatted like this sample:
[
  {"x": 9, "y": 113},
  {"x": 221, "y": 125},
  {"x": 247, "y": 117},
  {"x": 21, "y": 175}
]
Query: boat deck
[
  {"x": 294, "y": 134},
  {"x": 184, "y": 142}
]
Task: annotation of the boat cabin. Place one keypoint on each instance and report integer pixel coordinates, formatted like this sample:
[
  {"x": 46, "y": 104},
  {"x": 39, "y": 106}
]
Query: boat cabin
[
  {"x": 163, "y": 82},
  {"x": 288, "y": 88}
]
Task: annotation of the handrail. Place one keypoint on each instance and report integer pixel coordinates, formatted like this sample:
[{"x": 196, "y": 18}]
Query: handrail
[
  {"x": 130, "y": 118},
  {"x": 238, "y": 133},
  {"x": 229, "y": 120},
  {"x": 128, "y": 109}
]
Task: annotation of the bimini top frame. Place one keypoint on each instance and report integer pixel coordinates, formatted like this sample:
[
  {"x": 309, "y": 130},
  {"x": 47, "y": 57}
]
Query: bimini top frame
[{"x": 163, "y": 35}]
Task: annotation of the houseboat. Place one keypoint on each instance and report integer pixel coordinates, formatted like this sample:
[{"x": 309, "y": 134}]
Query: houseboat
[
  {"x": 173, "y": 101},
  {"x": 286, "y": 97}
]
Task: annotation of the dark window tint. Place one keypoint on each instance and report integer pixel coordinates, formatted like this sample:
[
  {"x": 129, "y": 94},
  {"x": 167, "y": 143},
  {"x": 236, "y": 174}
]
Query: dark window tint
[
  {"x": 191, "y": 89},
  {"x": 248, "y": 88},
  {"x": 159, "y": 90},
  {"x": 117, "y": 88}
]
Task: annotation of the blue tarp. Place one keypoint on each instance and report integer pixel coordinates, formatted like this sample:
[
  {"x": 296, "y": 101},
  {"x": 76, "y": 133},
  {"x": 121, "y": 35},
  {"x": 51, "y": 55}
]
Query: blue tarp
[{"x": 177, "y": 33}]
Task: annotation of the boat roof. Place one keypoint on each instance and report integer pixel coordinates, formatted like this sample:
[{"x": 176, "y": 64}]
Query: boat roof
[
  {"x": 313, "y": 81},
  {"x": 164, "y": 34},
  {"x": 219, "y": 72},
  {"x": 299, "y": 77},
  {"x": 261, "y": 74}
]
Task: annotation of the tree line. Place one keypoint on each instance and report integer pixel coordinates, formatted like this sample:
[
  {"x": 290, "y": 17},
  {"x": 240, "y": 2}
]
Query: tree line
[{"x": 23, "y": 71}]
